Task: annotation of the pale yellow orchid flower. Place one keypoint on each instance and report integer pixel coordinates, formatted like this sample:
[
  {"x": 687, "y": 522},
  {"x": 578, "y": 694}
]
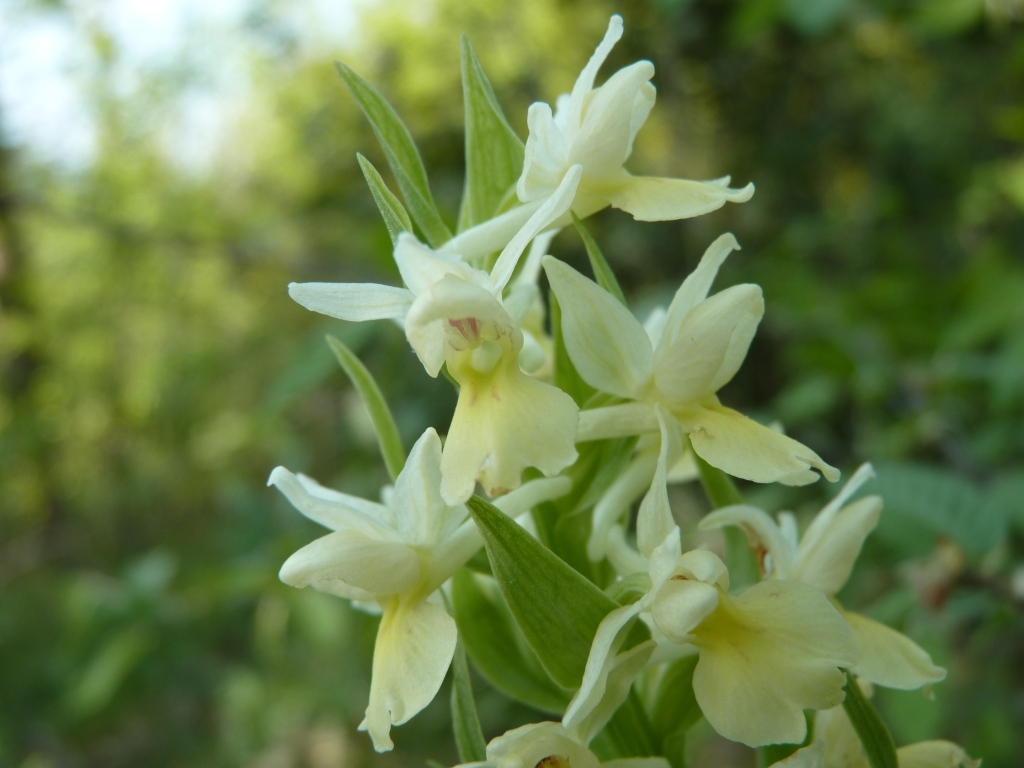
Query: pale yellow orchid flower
[
  {"x": 824, "y": 559},
  {"x": 593, "y": 129},
  {"x": 505, "y": 420},
  {"x": 679, "y": 363},
  {"x": 765, "y": 654},
  {"x": 396, "y": 554}
]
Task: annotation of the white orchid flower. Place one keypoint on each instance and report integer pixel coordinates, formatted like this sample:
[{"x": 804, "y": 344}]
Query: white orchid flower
[
  {"x": 765, "y": 654},
  {"x": 680, "y": 362},
  {"x": 398, "y": 554},
  {"x": 505, "y": 420},
  {"x": 594, "y": 129},
  {"x": 824, "y": 559},
  {"x": 549, "y": 745}
]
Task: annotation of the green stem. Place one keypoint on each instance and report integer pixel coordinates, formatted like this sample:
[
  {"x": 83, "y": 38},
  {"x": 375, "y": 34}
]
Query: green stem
[{"x": 870, "y": 728}]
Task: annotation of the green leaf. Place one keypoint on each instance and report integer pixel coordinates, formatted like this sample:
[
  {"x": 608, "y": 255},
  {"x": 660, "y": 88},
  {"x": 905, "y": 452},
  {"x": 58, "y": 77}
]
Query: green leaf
[
  {"x": 494, "y": 153},
  {"x": 498, "y": 649},
  {"x": 401, "y": 153},
  {"x": 383, "y": 422},
  {"x": 469, "y": 738},
  {"x": 870, "y": 728},
  {"x": 565, "y": 377},
  {"x": 673, "y": 747},
  {"x": 921, "y": 499},
  {"x": 602, "y": 272},
  {"x": 556, "y": 608},
  {"x": 396, "y": 218}
]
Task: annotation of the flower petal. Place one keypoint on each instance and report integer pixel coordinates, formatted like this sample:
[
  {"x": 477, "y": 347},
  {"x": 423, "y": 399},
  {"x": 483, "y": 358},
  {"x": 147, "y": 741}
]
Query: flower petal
[
  {"x": 826, "y": 561},
  {"x": 654, "y": 520},
  {"x": 651, "y": 198},
  {"x": 681, "y": 605},
  {"x": 549, "y": 212},
  {"x": 617, "y": 500},
  {"x": 616, "y": 421},
  {"x": 767, "y": 655},
  {"x": 890, "y": 658},
  {"x": 935, "y": 754},
  {"x": 452, "y": 307},
  {"x": 608, "y": 346},
  {"x": 812, "y": 756},
  {"x": 422, "y": 516},
  {"x": 608, "y": 675},
  {"x": 415, "y": 645},
  {"x": 544, "y": 163},
  {"x": 585, "y": 82},
  {"x": 492, "y": 235},
  {"x": 333, "y": 509},
  {"x": 504, "y": 422},
  {"x": 602, "y": 661},
  {"x": 344, "y": 559},
  {"x": 605, "y": 136},
  {"x": 698, "y": 283},
  {"x": 352, "y": 301},
  {"x": 703, "y": 353},
  {"x": 422, "y": 267},
  {"x": 740, "y": 446},
  {"x": 529, "y": 745},
  {"x": 759, "y": 527}
]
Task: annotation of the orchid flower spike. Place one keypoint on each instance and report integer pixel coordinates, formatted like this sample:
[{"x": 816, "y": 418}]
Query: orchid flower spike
[
  {"x": 593, "y": 129},
  {"x": 824, "y": 559},
  {"x": 397, "y": 554}
]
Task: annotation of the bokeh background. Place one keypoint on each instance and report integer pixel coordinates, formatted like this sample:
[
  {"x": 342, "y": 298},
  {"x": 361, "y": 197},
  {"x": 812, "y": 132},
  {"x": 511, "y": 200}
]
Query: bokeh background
[{"x": 166, "y": 168}]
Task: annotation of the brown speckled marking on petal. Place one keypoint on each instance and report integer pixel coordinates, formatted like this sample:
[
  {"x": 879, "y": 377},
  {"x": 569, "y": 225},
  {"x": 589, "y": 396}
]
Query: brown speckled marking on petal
[{"x": 554, "y": 761}]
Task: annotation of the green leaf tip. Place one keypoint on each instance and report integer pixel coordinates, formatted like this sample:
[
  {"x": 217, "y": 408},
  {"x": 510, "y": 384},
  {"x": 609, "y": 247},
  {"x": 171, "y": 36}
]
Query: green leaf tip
[
  {"x": 871, "y": 729},
  {"x": 396, "y": 218},
  {"x": 602, "y": 271},
  {"x": 494, "y": 153},
  {"x": 402, "y": 155},
  {"x": 383, "y": 422}
]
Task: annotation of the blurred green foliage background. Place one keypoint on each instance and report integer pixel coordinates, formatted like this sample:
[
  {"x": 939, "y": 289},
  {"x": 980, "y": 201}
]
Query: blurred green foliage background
[{"x": 154, "y": 370}]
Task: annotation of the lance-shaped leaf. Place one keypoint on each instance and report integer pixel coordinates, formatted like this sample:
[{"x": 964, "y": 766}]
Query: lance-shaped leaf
[
  {"x": 602, "y": 271},
  {"x": 383, "y": 422},
  {"x": 396, "y": 219},
  {"x": 469, "y": 739},
  {"x": 499, "y": 650},
  {"x": 556, "y": 608},
  {"x": 401, "y": 153},
  {"x": 494, "y": 153},
  {"x": 870, "y": 728}
]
